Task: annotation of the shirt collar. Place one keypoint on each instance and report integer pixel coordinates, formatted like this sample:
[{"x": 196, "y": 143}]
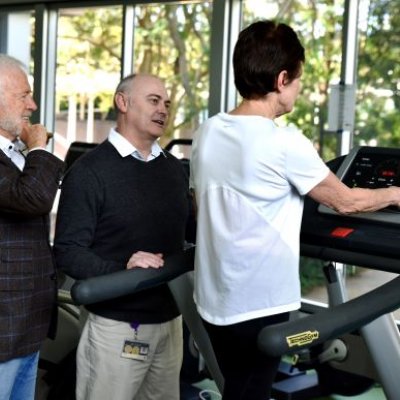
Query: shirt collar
[
  {"x": 125, "y": 148},
  {"x": 7, "y": 145}
]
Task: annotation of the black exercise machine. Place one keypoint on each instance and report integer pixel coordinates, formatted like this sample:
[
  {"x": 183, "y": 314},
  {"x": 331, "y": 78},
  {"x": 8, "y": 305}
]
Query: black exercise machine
[{"x": 368, "y": 240}]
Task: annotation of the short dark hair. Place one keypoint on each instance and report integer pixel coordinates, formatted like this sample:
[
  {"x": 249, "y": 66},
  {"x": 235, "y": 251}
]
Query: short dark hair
[{"x": 262, "y": 51}]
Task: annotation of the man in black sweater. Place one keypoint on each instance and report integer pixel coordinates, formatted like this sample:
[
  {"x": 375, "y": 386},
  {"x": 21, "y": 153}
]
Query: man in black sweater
[{"x": 125, "y": 205}]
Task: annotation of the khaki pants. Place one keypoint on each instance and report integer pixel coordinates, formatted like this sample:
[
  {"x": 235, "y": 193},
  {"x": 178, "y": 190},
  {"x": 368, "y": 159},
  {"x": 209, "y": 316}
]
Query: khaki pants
[{"x": 104, "y": 374}]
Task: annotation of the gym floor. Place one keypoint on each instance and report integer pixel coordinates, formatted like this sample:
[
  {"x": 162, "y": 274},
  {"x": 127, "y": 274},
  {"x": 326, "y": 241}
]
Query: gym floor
[
  {"x": 210, "y": 392},
  {"x": 375, "y": 393}
]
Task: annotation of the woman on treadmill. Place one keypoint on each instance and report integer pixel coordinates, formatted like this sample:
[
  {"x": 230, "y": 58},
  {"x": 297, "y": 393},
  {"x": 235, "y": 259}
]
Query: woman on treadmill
[{"x": 250, "y": 176}]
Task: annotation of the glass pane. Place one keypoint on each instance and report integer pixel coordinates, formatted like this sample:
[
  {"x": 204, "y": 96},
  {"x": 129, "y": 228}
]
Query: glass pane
[
  {"x": 358, "y": 281},
  {"x": 377, "y": 119},
  {"x": 378, "y": 96},
  {"x": 88, "y": 70},
  {"x": 17, "y": 32},
  {"x": 173, "y": 42}
]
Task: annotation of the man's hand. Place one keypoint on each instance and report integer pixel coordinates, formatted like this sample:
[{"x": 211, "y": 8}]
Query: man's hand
[
  {"x": 34, "y": 136},
  {"x": 143, "y": 259}
]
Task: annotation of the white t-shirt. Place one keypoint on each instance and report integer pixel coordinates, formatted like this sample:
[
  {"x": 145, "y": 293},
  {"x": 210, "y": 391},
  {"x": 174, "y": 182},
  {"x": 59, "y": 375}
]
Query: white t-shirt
[{"x": 249, "y": 177}]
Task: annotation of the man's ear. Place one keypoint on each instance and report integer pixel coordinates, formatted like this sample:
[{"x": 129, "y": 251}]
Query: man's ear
[{"x": 121, "y": 101}]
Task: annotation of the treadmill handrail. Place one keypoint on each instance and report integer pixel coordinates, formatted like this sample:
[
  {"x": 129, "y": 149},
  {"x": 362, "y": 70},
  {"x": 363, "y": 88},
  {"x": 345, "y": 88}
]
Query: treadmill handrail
[
  {"x": 274, "y": 340},
  {"x": 121, "y": 283},
  {"x": 296, "y": 335},
  {"x": 366, "y": 260}
]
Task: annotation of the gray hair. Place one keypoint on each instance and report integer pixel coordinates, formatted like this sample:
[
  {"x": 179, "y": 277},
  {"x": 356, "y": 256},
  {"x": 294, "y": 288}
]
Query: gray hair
[
  {"x": 123, "y": 87},
  {"x": 8, "y": 62}
]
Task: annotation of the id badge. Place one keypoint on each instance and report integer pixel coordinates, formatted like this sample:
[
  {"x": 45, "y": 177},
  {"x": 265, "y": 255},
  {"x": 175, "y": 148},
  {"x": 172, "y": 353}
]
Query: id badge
[{"x": 135, "y": 350}]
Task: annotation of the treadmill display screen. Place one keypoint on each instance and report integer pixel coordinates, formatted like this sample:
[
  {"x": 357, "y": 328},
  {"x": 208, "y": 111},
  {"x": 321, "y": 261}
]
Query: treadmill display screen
[
  {"x": 372, "y": 168},
  {"x": 373, "y": 171}
]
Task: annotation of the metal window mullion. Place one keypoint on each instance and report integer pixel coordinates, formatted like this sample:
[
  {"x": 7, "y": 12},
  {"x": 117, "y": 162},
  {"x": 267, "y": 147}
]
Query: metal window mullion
[
  {"x": 127, "y": 40},
  {"x": 225, "y": 28},
  {"x": 348, "y": 73},
  {"x": 45, "y": 65}
]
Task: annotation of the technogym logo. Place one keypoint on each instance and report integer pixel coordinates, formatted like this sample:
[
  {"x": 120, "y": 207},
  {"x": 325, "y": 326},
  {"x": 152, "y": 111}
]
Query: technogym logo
[{"x": 301, "y": 339}]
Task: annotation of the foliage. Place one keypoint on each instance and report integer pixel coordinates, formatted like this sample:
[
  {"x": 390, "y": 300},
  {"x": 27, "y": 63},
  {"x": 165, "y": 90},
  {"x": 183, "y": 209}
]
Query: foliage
[
  {"x": 90, "y": 40},
  {"x": 378, "y": 117},
  {"x": 173, "y": 41},
  {"x": 89, "y": 52},
  {"x": 311, "y": 274}
]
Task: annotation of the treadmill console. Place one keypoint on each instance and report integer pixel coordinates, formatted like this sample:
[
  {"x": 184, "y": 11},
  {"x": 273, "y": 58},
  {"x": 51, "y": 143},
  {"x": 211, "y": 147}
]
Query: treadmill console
[{"x": 371, "y": 167}]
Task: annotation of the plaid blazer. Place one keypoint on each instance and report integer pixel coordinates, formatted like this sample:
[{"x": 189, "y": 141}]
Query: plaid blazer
[{"x": 28, "y": 286}]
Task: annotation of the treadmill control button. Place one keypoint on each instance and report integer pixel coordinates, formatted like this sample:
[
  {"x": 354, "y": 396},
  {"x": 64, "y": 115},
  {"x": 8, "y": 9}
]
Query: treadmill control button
[{"x": 341, "y": 232}]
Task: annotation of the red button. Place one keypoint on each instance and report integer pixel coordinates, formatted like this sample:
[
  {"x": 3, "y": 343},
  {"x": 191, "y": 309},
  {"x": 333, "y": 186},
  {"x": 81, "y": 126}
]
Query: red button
[{"x": 341, "y": 232}]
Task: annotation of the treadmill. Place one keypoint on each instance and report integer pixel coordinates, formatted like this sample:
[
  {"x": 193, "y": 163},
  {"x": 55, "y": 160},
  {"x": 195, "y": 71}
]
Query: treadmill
[{"x": 370, "y": 240}]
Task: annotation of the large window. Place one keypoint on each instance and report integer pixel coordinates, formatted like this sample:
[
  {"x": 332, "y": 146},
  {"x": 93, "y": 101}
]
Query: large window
[
  {"x": 169, "y": 40},
  {"x": 378, "y": 96},
  {"x": 173, "y": 41},
  {"x": 377, "y": 114},
  {"x": 17, "y": 35},
  {"x": 89, "y": 43}
]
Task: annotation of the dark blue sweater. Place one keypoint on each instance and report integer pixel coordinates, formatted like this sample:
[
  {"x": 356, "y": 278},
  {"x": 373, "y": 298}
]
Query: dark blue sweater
[{"x": 112, "y": 206}]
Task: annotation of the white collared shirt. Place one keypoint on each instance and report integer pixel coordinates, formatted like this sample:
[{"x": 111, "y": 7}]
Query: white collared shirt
[
  {"x": 125, "y": 148},
  {"x": 13, "y": 151}
]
